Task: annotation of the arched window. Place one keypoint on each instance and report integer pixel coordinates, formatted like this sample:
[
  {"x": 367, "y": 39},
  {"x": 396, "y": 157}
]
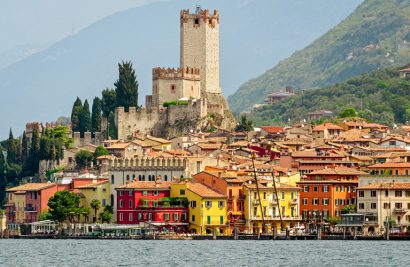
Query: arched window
[
  {"x": 128, "y": 177},
  {"x": 165, "y": 177},
  {"x": 133, "y": 177},
  {"x": 139, "y": 177},
  {"x": 149, "y": 177},
  {"x": 112, "y": 179},
  {"x": 143, "y": 177}
]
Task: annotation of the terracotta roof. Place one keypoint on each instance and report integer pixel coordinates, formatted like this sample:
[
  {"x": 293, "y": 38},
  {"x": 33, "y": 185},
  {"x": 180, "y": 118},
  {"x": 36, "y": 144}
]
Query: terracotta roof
[
  {"x": 327, "y": 182},
  {"x": 314, "y": 154},
  {"x": 278, "y": 186},
  {"x": 391, "y": 165},
  {"x": 382, "y": 186},
  {"x": 273, "y": 129},
  {"x": 204, "y": 191},
  {"x": 405, "y": 70},
  {"x": 118, "y": 146},
  {"x": 329, "y": 126},
  {"x": 146, "y": 185},
  {"x": 338, "y": 171},
  {"x": 91, "y": 186},
  {"x": 31, "y": 187},
  {"x": 106, "y": 157}
]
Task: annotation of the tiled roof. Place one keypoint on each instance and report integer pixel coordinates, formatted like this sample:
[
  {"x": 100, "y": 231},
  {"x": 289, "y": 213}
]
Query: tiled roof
[
  {"x": 273, "y": 129},
  {"x": 391, "y": 165},
  {"x": 91, "y": 186},
  {"x": 204, "y": 191},
  {"x": 382, "y": 186},
  {"x": 146, "y": 185},
  {"x": 329, "y": 126},
  {"x": 31, "y": 187},
  {"x": 118, "y": 146},
  {"x": 338, "y": 171}
]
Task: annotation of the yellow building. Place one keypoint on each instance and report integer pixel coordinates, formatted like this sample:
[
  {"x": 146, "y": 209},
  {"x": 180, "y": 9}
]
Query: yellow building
[
  {"x": 290, "y": 179},
  {"x": 19, "y": 200},
  {"x": 95, "y": 190},
  {"x": 285, "y": 206},
  {"x": 207, "y": 208},
  {"x": 2, "y": 222}
]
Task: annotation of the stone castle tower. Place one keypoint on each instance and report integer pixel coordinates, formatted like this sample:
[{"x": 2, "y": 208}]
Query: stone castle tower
[{"x": 196, "y": 80}]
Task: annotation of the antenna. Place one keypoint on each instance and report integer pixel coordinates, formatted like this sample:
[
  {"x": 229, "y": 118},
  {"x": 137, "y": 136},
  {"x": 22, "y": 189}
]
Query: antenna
[{"x": 197, "y": 7}]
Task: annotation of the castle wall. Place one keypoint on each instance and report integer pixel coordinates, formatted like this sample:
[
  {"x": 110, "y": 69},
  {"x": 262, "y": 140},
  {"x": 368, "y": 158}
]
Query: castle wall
[
  {"x": 142, "y": 120},
  {"x": 200, "y": 46},
  {"x": 174, "y": 89}
]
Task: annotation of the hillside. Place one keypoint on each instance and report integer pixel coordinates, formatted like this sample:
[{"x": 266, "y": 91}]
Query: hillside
[
  {"x": 366, "y": 40},
  {"x": 44, "y": 86},
  {"x": 381, "y": 96}
]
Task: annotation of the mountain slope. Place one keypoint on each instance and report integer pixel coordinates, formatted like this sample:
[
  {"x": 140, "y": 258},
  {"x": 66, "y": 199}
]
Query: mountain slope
[
  {"x": 381, "y": 96},
  {"x": 365, "y": 41},
  {"x": 255, "y": 34}
]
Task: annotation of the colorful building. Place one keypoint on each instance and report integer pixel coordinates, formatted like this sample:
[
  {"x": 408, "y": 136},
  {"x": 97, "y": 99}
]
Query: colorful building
[
  {"x": 26, "y": 202},
  {"x": 96, "y": 190},
  {"x": 207, "y": 208},
  {"x": 284, "y": 205},
  {"x": 153, "y": 204}
]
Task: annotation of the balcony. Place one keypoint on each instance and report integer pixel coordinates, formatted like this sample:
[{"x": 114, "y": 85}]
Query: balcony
[
  {"x": 31, "y": 209},
  {"x": 256, "y": 202},
  {"x": 213, "y": 223},
  {"x": 399, "y": 210},
  {"x": 273, "y": 202},
  {"x": 294, "y": 201}
]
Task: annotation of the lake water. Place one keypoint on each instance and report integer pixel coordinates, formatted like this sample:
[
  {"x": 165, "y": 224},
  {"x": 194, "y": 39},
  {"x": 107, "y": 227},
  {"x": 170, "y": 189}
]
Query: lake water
[{"x": 202, "y": 253}]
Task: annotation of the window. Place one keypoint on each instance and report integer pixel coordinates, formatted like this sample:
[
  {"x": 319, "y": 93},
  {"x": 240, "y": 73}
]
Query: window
[
  {"x": 104, "y": 202},
  {"x": 193, "y": 218},
  {"x": 182, "y": 192},
  {"x": 342, "y": 188},
  {"x": 155, "y": 193},
  {"x": 373, "y": 206},
  {"x": 341, "y": 201},
  {"x": 121, "y": 193},
  {"x": 155, "y": 203},
  {"x": 336, "y": 201},
  {"x": 112, "y": 179},
  {"x": 361, "y": 206},
  {"x": 255, "y": 211},
  {"x": 315, "y": 201},
  {"x": 172, "y": 88},
  {"x": 166, "y": 216},
  {"x": 283, "y": 195},
  {"x": 128, "y": 177},
  {"x": 121, "y": 203},
  {"x": 407, "y": 193},
  {"x": 104, "y": 190},
  {"x": 264, "y": 211},
  {"x": 130, "y": 204},
  {"x": 337, "y": 189},
  {"x": 166, "y": 178},
  {"x": 130, "y": 193},
  {"x": 398, "y": 193},
  {"x": 304, "y": 214},
  {"x": 121, "y": 217},
  {"x": 325, "y": 188},
  {"x": 264, "y": 195},
  {"x": 175, "y": 217},
  {"x": 149, "y": 216},
  {"x": 373, "y": 193},
  {"x": 315, "y": 189},
  {"x": 292, "y": 195},
  {"x": 145, "y": 193},
  {"x": 386, "y": 205},
  {"x": 183, "y": 217},
  {"x": 306, "y": 188},
  {"x": 130, "y": 217},
  {"x": 305, "y": 201},
  {"x": 208, "y": 204},
  {"x": 361, "y": 193},
  {"x": 221, "y": 219},
  {"x": 408, "y": 206},
  {"x": 325, "y": 201},
  {"x": 386, "y": 193},
  {"x": 398, "y": 205},
  {"x": 221, "y": 204},
  {"x": 255, "y": 196},
  {"x": 139, "y": 216},
  {"x": 193, "y": 204},
  {"x": 208, "y": 219}
]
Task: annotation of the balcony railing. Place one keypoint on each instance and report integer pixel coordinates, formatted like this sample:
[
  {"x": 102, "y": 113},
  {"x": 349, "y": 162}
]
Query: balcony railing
[
  {"x": 256, "y": 202},
  {"x": 399, "y": 210},
  {"x": 294, "y": 201},
  {"x": 29, "y": 209},
  {"x": 273, "y": 202},
  {"x": 214, "y": 222}
]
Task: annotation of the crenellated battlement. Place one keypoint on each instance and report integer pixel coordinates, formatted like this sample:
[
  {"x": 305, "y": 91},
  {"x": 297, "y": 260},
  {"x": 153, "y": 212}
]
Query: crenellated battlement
[
  {"x": 176, "y": 73},
  {"x": 151, "y": 163},
  {"x": 200, "y": 14}
]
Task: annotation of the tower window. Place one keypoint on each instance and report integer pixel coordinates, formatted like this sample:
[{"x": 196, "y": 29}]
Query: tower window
[
  {"x": 197, "y": 21},
  {"x": 173, "y": 88}
]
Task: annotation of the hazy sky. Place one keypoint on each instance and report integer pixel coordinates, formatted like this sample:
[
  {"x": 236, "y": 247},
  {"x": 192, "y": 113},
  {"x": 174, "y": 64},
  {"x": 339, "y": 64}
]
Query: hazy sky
[{"x": 47, "y": 21}]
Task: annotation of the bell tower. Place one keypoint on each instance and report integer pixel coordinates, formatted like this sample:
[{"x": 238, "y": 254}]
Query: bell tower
[{"x": 200, "y": 47}]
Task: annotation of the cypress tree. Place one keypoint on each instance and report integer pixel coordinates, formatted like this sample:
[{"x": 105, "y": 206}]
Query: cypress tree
[
  {"x": 76, "y": 115},
  {"x": 108, "y": 101},
  {"x": 126, "y": 86},
  {"x": 96, "y": 116},
  {"x": 3, "y": 176},
  {"x": 11, "y": 149},
  {"x": 85, "y": 118},
  {"x": 34, "y": 154},
  {"x": 24, "y": 148},
  {"x": 112, "y": 131}
]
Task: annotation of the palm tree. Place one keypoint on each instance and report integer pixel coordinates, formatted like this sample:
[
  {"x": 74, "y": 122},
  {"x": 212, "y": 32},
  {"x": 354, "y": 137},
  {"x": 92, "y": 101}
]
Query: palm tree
[{"x": 95, "y": 204}]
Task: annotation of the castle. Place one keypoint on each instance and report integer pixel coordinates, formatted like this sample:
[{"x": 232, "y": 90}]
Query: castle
[{"x": 183, "y": 97}]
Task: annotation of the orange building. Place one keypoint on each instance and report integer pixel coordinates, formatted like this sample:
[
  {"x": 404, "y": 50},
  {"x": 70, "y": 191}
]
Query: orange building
[
  {"x": 390, "y": 168},
  {"x": 231, "y": 186}
]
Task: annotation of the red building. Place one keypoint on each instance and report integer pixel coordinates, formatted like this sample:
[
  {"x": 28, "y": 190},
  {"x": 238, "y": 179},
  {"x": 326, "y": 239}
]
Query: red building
[{"x": 150, "y": 202}]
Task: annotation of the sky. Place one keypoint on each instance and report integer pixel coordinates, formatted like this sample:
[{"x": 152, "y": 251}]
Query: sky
[{"x": 39, "y": 22}]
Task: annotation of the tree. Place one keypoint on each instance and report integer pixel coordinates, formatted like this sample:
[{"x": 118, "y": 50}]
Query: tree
[
  {"x": 96, "y": 116},
  {"x": 245, "y": 125},
  {"x": 34, "y": 154},
  {"x": 126, "y": 86},
  {"x": 63, "y": 205},
  {"x": 11, "y": 149},
  {"x": 24, "y": 148},
  {"x": 112, "y": 130},
  {"x": 3, "y": 176},
  {"x": 60, "y": 133},
  {"x": 100, "y": 151},
  {"x": 108, "y": 102},
  {"x": 348, "y": 113},
  {"x": 85, "y": 118},
  {"x": 95, "y": 204},
  {"x": 106, "y": 215},
  {"x": 45, "y": 215},
  {"x": 349, "y": 209},
  {"x": 84, "y": 158},
  {"x": 76, "y": 115}
]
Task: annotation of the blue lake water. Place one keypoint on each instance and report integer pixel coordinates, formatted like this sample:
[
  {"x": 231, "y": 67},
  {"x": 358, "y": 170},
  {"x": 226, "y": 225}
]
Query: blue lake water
[{"x": 202, "y": 253}]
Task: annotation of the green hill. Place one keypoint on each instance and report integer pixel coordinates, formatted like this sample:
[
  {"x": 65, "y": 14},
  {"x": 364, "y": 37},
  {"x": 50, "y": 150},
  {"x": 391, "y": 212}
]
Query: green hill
[
  {"x": 381, "y": 96},
  {"x": 376, "y": 35}
]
